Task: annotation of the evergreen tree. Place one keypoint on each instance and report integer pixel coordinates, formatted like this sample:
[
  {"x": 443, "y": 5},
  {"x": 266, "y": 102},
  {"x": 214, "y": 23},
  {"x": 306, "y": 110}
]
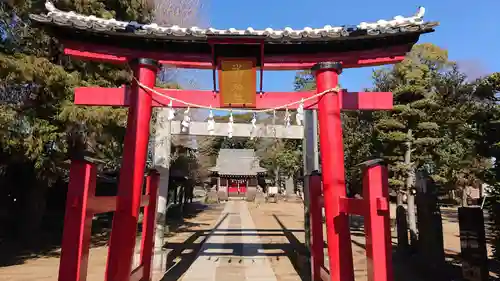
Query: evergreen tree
[
  {"x": 407, "y": 134},
  {"x": 485, "y": 128},
  {"x": 42, "y": 127}
]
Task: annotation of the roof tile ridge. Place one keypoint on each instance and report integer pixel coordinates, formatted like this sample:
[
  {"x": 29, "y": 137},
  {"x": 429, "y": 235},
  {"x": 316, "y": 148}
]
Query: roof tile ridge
[{"x": 307, "y": 32}]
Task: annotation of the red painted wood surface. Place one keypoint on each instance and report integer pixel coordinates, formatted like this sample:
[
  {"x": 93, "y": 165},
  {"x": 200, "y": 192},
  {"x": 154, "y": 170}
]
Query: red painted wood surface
[
  {"x": 377, "y": 223},
  {"x": 234, "y": 188},
  {"x": 149, "y": 225},
  {"x": 77, "y": 222},
  {"x": 353, "y": 206},
  {"x": 333, "y": 173},
  {"x": 351, "y": 59},
  {"x": 98, "y": 205},
  {"x": 123, "y": 234},
  {"x": 82, "y": 205},
  {"x": 121, "y": 97}
]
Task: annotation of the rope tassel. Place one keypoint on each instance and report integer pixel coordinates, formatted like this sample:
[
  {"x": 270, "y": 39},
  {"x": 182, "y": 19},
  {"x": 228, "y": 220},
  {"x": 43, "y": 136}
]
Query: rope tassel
[
  {"x": 299, "y": 117},
  {"x": 230, "y": 125},
  {"x": 186, "y": 121},
  {"x": 287, "y": 118},
  {"x": 254, "y": 126},
  {"x": 171, "y": 111},
  {"x": 211, "y": 123}
]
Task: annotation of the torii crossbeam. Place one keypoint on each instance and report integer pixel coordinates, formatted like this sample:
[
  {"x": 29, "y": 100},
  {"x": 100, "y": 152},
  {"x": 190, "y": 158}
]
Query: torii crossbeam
[{"x": 121, "y": 97}]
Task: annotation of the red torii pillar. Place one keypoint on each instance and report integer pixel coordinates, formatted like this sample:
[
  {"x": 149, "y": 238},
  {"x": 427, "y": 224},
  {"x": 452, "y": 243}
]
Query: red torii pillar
[
  {"x": 332, "y": 162},
  {"x": 123, "y": 234}
]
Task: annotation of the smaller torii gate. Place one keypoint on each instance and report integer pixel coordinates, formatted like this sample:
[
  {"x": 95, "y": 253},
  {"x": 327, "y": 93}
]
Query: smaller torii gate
[{"x": 236, "y": 55}]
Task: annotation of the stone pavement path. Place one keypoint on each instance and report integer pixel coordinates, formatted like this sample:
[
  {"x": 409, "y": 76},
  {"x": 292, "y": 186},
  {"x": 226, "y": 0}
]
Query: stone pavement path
[{"x": 232, "y": 250}]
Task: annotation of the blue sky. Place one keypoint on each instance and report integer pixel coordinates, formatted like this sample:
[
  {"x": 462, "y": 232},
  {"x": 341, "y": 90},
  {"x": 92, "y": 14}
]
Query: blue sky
[{"x": 469, "y": 30}]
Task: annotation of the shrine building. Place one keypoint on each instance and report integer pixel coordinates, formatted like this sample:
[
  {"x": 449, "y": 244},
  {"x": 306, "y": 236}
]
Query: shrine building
[{"x": 237, "y": 172}]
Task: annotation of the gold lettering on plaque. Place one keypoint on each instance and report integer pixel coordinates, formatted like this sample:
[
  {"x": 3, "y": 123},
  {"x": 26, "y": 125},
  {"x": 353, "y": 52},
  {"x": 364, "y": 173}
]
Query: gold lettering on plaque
[{"x": 237, "y": 83}]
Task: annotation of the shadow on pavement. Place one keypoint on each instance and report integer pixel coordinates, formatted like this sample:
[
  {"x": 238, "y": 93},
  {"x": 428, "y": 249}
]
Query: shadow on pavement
[
  {"x": 178, "y": 262},
  {"x": 296, "y": 251},
  {"x": 182, "y": 255}
]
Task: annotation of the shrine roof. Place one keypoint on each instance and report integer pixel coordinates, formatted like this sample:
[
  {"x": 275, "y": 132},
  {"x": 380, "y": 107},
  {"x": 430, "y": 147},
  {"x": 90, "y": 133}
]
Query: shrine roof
[
  {"x": 237, "y": 162},
  {"x": 399, "y": 25}
]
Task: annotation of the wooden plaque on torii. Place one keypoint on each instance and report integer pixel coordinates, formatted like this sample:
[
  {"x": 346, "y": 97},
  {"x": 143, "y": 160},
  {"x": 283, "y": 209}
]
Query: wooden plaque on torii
[{"x": 237, "y": 82}]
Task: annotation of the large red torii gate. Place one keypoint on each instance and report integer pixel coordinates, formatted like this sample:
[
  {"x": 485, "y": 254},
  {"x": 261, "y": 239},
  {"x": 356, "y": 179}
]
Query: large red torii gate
[{"x": 327, "y": 51}]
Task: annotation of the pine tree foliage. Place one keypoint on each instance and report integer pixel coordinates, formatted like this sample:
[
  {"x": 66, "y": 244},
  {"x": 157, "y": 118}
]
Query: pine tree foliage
[
  {"x": 41, "y": 128},
  {"x": 410, "y": 128}
]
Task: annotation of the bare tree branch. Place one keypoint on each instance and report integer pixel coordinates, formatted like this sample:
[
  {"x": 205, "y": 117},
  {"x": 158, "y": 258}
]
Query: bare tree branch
[
  {"x": 182, "y": 13},
  {"x": 178, "y": 12}
]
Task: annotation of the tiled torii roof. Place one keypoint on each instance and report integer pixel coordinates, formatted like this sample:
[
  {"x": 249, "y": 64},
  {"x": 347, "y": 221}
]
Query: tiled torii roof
[
  {"x": 237, "y": 162},
  {"x": 400, "y": 24}
]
